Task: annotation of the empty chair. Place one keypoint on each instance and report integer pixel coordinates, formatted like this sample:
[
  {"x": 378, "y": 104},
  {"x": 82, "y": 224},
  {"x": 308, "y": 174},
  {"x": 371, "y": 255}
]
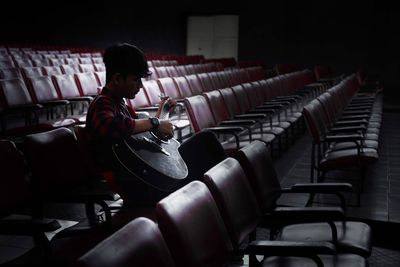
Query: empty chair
[
  {"x": 85, "y": 60},
  {"x": 183, "y": 86},
  {"x": 71, "y": 61},
  {"x": 62, "y": 174},
  {"x": 12, "y": 73},
  {"x": 87, "y": 83},
  {"x": 324, "y": 159},
  {"x": 87, "y": 67},
  {"x": 238, "y": 206},
  {"x": 209, "y": 152},
  {"x": 352, "y": 236},
  {"x": 99, "y": 66},
  {"x": 197, "y": 235},
  {"x": 139, "y": 243},
  {"x": 70, "y": 69},
  {"x": 195, "y": 84},
  {"x": 101, "y": 77},
  {"x": 51, "y": 70},
  {"x": 206, "y": 82},
  {"x": 31, "y": 72},
  {"x": 16, "y": 199},
  {"x": 161, "y": 72}
]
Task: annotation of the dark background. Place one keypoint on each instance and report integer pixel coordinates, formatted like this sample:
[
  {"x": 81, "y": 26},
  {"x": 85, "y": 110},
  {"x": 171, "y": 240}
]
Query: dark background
[{"x": 344, "y": 35}]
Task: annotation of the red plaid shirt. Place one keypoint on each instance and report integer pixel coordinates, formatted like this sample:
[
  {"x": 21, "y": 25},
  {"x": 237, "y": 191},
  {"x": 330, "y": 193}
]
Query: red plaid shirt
[{"x": 108, "y": 120}]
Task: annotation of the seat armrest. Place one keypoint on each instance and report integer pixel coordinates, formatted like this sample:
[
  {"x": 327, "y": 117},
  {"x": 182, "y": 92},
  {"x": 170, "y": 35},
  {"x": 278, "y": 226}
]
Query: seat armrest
[
  {"x": 27, "y": 226},
  {"x": 290, "y": 215},
  {"x": 290, "y": 248},
  {"x": 321, "y": 187},
  {"x": 343, "y": 138}
]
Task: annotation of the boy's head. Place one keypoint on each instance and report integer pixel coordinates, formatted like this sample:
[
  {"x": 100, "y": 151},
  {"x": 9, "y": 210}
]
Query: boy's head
[{"x": 125, "y": 59}]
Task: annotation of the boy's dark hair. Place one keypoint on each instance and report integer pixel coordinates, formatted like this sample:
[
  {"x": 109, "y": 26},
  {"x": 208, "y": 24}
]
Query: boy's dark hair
[{"x": 125, "y": 59}]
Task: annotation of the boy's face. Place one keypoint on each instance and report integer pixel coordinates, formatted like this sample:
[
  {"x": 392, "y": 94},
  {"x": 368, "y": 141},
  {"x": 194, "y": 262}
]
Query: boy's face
[{"x": 129, "y": 86}]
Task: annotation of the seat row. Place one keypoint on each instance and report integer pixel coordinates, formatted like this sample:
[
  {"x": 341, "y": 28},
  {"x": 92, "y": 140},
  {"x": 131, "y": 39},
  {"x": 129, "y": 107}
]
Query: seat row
[
  {"x": 267, "y": 110},
  {"x": 203, "y": 222},
  {"x": 45, "y": 94},
  {"x": 212, "y": 221},
  {"x": 344, "y": 126}
]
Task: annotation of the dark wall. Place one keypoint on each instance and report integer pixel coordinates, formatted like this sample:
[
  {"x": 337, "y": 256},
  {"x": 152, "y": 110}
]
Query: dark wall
[{"x": 344, "y": 35}]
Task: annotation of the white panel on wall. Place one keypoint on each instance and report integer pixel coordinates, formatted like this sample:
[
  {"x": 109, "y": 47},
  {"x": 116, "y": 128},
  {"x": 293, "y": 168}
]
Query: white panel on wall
[{"x": 213, "y": 36}]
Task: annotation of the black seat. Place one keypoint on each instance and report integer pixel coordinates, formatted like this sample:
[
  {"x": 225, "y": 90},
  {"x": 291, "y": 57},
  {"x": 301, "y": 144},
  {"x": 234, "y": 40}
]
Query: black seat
[
  {"x": 352, "y": 236},
  {"x": 201, "y": 152},
  {"x": 139, "y": 243},
  {"x": 16, "y": 206}
]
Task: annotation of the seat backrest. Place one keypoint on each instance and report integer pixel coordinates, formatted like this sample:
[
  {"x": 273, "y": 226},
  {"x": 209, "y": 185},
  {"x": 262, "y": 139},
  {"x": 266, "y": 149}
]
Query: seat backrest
[
  {"x": 172, "y": 72},
  {"x": 31, "y": 72},
  {"x": 101, "y": 77},
  {"x": 217, "y": 105},
  {"x": 216, "y": 80},
  {"x": 161, "y": 71},
  {"x": 199, "y": 112},
  {"x": 230, "y": 101},
  {"x": 153, "y": 91},
  {"x": 241, "y": 97},
  {"x": 61, "y": 166},
  {"x": 183, "y": 86},
  {"x": 43, "y": 89},
  {"x": 51, "y": 70},
  {"x": 256, "y": 73},
  {"x": 201, "y": 152},
  {"x": 139, "y": 243},
  {"x": 99, "y": 66},
  {"x": 168, "y": 86},
  {"x": 13, "y": 180},
  {"x": 70, "y": 69},
  {"x": 72, "y": 61},
  {"x": 235, "y": 199},
  {"x": 193, "y": 228},
  {"x": 181, "y": 70},
  {"x": 141, "y": 100},
  {"x": 14, "y": 93},
  {"x": 314, "y": 120},
  {"x": 195, "y": 84},
  {"x": 89, "y": 67},
  {"x": 66, "y": 85},
  {"x": 206, "y": 82},
  {"x": 11, "y": 73},
  {"x": 87, "y": 83},
  {"x": 257, "y": 164}
]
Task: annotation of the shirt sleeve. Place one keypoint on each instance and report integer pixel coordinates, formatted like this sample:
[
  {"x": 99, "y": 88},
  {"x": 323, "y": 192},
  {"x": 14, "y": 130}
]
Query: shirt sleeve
[{"x": 108, "y": 122}]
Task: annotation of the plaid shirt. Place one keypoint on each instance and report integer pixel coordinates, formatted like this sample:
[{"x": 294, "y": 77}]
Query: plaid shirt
[{"x": 108, "y": 120}]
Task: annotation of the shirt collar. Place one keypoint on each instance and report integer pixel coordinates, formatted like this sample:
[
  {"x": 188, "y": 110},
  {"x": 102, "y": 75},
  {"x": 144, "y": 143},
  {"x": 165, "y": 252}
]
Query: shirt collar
[{"x": 108, "y": 92}]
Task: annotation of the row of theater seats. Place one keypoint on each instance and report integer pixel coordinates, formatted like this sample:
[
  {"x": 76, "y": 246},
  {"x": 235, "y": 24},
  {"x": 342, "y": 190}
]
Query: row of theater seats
[
  {"x": 66, "y": 89},
  {"x": 267, "y": 110},
  {"x": 204, "y": 222},
  {"x": 344, "y": 125}
]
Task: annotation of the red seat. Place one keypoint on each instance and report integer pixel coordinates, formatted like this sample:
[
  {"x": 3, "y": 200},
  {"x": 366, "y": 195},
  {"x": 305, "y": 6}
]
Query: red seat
[{"x": 139, "y": 243}]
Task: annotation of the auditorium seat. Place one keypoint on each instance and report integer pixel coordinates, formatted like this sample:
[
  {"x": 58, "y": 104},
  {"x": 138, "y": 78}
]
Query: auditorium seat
[
  {"x": 139, "y": 243},
  {"x": 87, "y": 84},
  {"x": 62, "y": 174},
  {"x": 204, "y": 238},
  {"x": 51, "y": 70},
  {"x": 208, "y": 153},
  {"x": 16, "y": 204},
  {"x": 11, "y": 73},
  {"x": 70, "y": 69},
  {"x": 324, "y": 159},
  {"x": 352, "y": 236}
]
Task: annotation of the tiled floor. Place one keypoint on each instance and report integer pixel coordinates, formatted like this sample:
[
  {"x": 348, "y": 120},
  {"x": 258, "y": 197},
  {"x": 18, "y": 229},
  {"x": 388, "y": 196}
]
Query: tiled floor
[{"x": 380, "y": 201}]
